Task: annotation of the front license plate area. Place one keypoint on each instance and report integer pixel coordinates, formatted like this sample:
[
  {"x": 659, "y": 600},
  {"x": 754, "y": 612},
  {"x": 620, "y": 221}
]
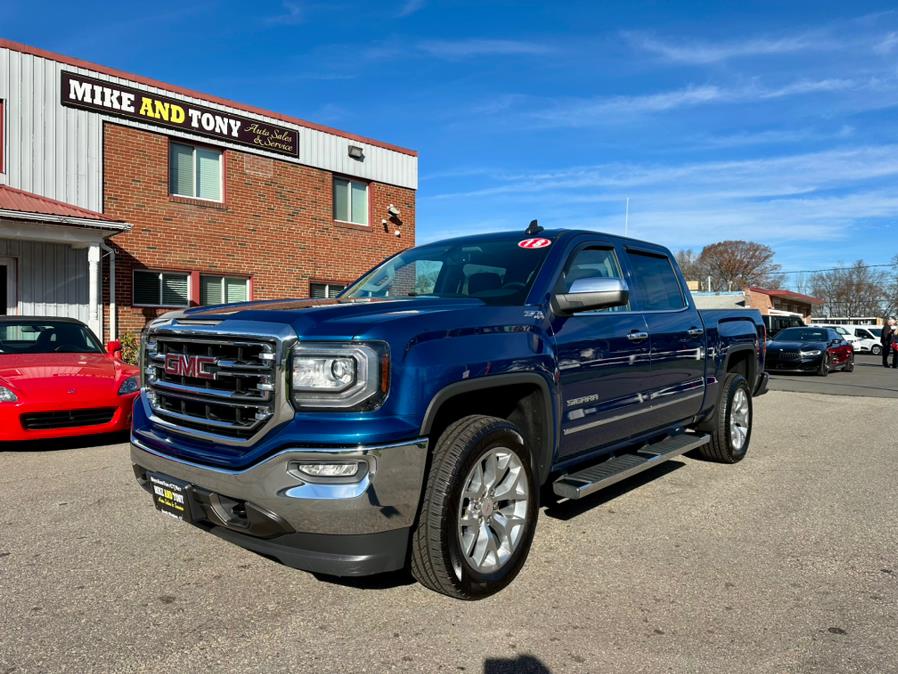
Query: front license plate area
[{"x": 170, "y": 496}]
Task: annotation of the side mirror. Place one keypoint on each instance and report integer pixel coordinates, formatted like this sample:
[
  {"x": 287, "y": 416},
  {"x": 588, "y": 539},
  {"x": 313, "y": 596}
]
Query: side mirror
[
  {"x": 114, "y": 347},
  {"x": 587, "y": 294}
]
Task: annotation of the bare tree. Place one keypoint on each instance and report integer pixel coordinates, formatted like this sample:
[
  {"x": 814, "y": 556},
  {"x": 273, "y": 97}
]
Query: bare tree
[
  {"x": 689, "y": 265},
  {"x": 856, "y": 290},
  {"x": 733, "y": 265}
]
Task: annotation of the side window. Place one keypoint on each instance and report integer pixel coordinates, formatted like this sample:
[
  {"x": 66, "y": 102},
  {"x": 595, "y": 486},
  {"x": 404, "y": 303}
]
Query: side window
[
  {"x": 592, "y": 262},
  {"x": 656, "y": 282}
]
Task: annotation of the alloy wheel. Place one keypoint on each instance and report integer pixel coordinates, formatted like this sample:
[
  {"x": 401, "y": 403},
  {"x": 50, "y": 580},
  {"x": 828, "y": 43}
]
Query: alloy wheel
[
  {"x": 739, "y": 419},
  {"x": 492, "y": 510}
]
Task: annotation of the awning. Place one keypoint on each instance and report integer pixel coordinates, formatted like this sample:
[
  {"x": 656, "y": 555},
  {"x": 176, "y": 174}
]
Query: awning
[{"x": 25, "y": 215}]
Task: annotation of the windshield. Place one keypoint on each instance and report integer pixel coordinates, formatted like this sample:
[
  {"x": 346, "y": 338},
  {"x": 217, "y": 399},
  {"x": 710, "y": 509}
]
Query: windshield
[
  {"x": 496, "y": 272},
  {"x": 803, "y": 335},
  {"x": 31, "y": 336}
]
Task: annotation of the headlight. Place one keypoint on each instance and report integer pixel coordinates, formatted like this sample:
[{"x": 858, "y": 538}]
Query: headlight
[
  {"x": 342, "y": 376},
  {"x": 130, "y": 385},
  {"x": 7, "y": 396},
  {"x": 812, "y": 352}
]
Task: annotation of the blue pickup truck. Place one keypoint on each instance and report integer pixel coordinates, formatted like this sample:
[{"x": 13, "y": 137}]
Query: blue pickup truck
[{"x": 416, "y": 419}]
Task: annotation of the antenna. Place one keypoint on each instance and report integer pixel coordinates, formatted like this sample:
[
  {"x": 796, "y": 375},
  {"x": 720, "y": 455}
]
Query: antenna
[
  {"x": 533, "y": 228},
  {"x": 627, "y": 219}
]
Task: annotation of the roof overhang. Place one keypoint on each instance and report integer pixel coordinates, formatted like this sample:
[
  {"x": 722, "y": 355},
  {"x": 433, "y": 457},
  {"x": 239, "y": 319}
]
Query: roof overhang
[{"x": 57, "y": 229}]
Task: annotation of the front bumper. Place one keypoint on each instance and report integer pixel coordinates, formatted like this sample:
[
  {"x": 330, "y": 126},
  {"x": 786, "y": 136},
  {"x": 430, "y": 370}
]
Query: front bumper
[
  {"x": 355, "y": 528},
  {"x": 12, "y": 430}
]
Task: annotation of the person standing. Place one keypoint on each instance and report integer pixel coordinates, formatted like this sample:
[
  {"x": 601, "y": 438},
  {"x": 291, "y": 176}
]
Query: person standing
[{"x": 887, "y": 338}]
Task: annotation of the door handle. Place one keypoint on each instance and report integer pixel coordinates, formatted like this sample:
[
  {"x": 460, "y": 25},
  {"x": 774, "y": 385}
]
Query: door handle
[
  {"x": 695, "y": 332},
  {"x": 637, "y": 336}
]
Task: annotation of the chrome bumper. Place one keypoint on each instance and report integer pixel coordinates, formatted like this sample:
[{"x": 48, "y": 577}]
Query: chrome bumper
[{"x": 385, "y": 498}]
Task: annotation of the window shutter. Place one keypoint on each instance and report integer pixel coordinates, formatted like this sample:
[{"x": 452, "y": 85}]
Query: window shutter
[
  {"x": 359, "y": 203},
  {"x": 341, "y": 200},
  {"x": 318, "y": 291},
  {"x": 174, "y": 289},
  {"x": 236, "y": 290},
  {"x": 146, "y": 287},
  {"x": 181, "y": 170},
  {"x": 210, "y": 290},
  {"x": 208, "y": 168}
]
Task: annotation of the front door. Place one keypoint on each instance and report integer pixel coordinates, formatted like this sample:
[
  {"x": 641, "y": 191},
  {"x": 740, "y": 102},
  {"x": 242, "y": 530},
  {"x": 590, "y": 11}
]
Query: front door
[
  {"x": 8, "y": 292},
  {"x": 603, "y": 359}
]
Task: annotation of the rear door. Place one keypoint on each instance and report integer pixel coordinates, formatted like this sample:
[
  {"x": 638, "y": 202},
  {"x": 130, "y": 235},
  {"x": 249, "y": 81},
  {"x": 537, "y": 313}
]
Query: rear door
[
  {"x": 676, "y": 333},
  {"x": 603, "y": 359}
]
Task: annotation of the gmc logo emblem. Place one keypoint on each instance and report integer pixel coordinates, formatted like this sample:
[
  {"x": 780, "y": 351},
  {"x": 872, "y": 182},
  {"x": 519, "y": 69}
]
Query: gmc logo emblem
[{"x": 181, "y": 365}]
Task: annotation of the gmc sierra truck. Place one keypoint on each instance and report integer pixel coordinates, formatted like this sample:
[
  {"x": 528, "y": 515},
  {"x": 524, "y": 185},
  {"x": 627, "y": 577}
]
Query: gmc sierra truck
[{"x": 416, "y": 418}]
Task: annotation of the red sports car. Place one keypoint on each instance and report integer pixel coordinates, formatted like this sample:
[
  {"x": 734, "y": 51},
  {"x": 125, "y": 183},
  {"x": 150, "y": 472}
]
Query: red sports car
[{"x": 56, "y": 380}]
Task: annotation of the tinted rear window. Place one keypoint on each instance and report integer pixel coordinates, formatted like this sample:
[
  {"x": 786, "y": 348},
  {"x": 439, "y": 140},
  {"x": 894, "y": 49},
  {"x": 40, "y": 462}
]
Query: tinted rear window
[{"x": 657, "y": 286}]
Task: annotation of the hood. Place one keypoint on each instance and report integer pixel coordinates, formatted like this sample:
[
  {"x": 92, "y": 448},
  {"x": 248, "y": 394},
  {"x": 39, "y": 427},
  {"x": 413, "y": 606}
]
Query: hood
[
  {"x": 336, "y": 318},
  {"x": 54, "y": 376}
]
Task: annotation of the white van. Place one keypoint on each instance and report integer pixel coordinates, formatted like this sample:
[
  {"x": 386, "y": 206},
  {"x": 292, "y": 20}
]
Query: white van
[{"x": 867, "y": 338}]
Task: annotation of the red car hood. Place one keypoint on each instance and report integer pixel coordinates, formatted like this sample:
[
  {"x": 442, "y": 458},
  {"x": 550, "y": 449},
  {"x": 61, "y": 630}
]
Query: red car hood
[{"x": 55, "y": 376}]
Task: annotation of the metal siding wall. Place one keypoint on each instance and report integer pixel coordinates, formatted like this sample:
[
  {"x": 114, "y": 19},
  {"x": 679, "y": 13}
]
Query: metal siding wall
[
  {"x": 58, "y": 152},
  {"x": 51, "y": 278}
]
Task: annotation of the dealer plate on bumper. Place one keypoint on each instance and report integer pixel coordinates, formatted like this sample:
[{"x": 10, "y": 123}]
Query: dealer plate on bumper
[{"x": 170, "y": 495}]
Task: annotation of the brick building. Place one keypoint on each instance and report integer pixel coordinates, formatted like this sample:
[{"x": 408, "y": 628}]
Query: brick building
[{"x": 122, "y": 197}]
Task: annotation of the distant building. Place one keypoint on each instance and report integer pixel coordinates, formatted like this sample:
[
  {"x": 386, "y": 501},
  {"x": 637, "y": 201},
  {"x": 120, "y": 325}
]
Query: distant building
[
  {"x": 769, "y": 301},
  {"x": 776, "y": 302}
]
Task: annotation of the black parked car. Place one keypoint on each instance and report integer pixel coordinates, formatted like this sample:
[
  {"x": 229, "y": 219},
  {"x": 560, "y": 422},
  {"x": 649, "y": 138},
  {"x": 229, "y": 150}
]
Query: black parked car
[{"x": 809, "y": 350}]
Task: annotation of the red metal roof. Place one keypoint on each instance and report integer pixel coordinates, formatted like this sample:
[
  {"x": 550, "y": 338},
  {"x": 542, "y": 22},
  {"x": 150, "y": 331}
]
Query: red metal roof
[
  {"x": 17, "y": 200},
  {"x": 78, "y": 63},
  {"x": 787, "y": 294}
]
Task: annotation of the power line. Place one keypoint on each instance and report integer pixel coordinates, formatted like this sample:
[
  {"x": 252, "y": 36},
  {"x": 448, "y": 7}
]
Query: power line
[{"x": 818, "y": 271}]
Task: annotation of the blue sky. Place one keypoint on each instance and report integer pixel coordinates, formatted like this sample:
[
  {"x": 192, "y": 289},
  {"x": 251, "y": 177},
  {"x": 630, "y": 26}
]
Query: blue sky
[{"x": 774, "y": 122}]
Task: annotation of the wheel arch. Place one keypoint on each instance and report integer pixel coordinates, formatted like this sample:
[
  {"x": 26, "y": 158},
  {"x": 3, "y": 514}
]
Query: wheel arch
[{"x": 526, "y": 400}]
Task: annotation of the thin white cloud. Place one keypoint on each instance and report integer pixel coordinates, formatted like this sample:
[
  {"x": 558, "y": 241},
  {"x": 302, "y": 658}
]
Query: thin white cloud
[
  {"x": 887, "y": 44},
  {"x": 814, "y": 196},
  {"x": 409, "y": 7},
  {"x": 586, "y": 112},
  {"x": 467, "y": 48},
  {"x": 294, "y": 13},
  {"x": 704, "y": 53}
]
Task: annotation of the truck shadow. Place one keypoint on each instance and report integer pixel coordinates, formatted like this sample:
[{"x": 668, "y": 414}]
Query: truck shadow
[
  {"x": 62, "y": 444},
  {"x": 567, "y": 509},
  {"x": 381, "y": 581},
  {"x": 523, "y": 664}
]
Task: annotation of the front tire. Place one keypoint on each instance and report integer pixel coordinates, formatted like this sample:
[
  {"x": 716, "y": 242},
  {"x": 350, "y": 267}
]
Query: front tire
[
  {"x": 823, "y": 370},
  {"x": 730, "y": 425},
  {"x": 479, "y": 511}
]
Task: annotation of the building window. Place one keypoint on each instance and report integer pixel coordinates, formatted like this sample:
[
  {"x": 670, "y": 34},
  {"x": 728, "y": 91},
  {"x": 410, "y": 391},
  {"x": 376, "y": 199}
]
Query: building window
[
  {"x": 223, "y": 289},
  {"x": 195, "y": 172},
  {"x": 351, "y": 201},
  {"x": 161, "y": 289},
  {"x": 325, "y": 290}
]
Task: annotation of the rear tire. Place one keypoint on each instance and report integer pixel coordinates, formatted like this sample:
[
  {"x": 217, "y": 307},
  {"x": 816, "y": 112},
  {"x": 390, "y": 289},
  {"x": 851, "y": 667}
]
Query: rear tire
[
  {"x": 876, "y": 350},
  {"x": 479, "y": 511},
  {"x": 730, "y": 425},
  {"x": 849, "y": 366}
]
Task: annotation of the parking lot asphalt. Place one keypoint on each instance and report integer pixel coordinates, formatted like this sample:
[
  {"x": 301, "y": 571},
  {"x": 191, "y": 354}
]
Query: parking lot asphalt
[
  {"x": 786, "y": 562},
  {"x": 869, "y": 378}
]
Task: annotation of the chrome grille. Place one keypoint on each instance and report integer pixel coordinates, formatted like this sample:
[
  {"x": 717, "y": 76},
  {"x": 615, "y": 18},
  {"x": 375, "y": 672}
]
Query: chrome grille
[{"x": 236, "y": 398}]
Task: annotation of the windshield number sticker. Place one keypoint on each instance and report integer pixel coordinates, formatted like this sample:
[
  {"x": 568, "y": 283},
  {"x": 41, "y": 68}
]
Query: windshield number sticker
[{"x": 534, "y": 243}]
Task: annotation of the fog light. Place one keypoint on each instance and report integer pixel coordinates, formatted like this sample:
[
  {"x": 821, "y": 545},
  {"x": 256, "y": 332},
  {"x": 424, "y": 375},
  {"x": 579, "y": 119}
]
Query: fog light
[{"x": 324, "y": 470}]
